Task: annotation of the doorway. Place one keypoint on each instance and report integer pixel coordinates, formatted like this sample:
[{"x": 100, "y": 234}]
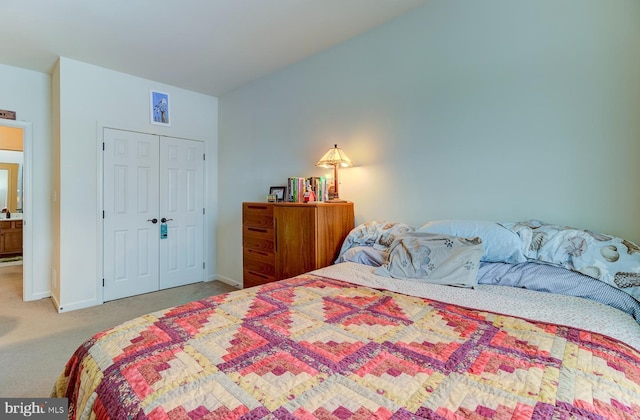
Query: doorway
[{"x": 21, "y": 199}]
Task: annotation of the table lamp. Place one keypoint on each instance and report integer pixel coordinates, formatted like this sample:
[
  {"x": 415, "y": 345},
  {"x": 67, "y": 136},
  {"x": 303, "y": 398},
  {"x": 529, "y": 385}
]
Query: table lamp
[{"x": 335, "y": 158}]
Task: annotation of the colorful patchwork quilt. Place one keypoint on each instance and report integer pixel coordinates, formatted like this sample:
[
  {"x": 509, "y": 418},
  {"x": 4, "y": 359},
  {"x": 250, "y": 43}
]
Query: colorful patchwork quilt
[{"x": 313, "y": 347}]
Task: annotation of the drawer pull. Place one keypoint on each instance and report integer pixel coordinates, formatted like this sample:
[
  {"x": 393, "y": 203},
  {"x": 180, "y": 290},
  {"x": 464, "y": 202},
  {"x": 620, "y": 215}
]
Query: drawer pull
[
  {"x": 257, "y": 207},
  {"x": 257, "y": 230},
  {"x": 259, "y": 275},
  {"x": 253, "y": 251}
]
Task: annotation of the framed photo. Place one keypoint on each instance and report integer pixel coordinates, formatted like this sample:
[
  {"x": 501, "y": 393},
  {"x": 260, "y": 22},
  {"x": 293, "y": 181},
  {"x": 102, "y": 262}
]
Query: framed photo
[
  {"x": 279, "y": 192},
  {"x": 160, "y": 108}
]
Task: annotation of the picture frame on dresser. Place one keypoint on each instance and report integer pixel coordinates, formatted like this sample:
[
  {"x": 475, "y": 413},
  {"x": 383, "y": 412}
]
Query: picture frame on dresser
[{"x": 279, "y": 192}]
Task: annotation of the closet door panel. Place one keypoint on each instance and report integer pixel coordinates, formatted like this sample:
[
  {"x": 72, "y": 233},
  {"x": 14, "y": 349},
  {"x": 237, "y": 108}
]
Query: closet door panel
[
  {"x": 182, "y": 204},
  {"x": 130, "y": 201}
]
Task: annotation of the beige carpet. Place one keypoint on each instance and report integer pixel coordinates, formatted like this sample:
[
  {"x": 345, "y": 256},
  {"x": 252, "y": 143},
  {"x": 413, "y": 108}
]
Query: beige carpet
[{"x": 36, "y": 341}]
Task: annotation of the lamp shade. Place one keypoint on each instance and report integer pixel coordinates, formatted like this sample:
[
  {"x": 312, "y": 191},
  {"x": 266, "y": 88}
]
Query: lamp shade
[{"x": 335, "y": 157}]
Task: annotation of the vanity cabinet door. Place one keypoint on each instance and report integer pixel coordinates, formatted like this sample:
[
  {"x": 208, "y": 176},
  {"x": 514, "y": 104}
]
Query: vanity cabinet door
[{"x": 11, "y": 237}]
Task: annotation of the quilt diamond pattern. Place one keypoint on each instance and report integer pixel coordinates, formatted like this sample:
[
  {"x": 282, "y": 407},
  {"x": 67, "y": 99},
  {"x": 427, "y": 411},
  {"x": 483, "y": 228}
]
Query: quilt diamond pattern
[{"x": 311, "y": 347}]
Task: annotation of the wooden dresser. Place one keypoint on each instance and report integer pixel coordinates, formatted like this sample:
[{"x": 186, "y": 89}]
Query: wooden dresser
[{"x": 282, "y": 240}]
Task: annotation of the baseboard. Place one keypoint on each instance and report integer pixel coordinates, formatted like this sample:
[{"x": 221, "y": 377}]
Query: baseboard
[
  {"x": 227, "y": 280},
  {"x": 39, "y": 295},
  {"x": 76, "y": 305},
  {"x": 55, "y": 303}
]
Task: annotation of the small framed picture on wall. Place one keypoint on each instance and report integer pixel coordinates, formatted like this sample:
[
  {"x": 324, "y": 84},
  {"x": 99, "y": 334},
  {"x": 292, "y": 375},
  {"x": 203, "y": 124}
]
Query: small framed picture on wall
[{"x": 160, "y": 108}]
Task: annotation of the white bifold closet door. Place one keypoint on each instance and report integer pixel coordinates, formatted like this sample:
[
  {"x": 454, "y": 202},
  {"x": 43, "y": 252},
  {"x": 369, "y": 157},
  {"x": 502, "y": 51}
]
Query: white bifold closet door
[{"x": 148, "y": 178}]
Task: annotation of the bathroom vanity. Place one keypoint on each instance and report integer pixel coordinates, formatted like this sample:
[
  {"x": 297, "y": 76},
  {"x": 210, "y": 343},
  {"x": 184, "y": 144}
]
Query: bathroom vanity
[{"x": 10, "y": 237}]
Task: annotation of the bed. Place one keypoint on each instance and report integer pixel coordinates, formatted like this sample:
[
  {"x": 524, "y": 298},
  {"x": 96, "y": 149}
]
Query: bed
[{"x": 357, "y": 340}]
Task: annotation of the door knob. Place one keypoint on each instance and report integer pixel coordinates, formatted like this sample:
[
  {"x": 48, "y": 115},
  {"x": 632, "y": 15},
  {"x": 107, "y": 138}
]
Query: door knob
[
  {"x": 154, "y": 220},
  {"x": 163, "y": 220}
]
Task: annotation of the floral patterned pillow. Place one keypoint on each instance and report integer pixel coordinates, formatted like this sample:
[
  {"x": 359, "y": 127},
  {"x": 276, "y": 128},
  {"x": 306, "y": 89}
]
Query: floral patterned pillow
[
  {"x": 434, "y": 258},
  {"x": 378, "y": 235},
  {"x": 607, "y": 258}
]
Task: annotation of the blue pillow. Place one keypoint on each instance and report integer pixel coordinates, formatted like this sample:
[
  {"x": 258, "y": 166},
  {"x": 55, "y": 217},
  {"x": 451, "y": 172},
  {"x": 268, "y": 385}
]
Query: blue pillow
[
  {"x": 553, "y": 279},
  {"x": 500, "y": 244}
]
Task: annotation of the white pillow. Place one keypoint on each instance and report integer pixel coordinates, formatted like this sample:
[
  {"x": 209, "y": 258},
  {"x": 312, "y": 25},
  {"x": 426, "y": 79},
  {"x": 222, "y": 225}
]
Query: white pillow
[
  {"x": 500, "y": 244},
  {"x": 434, "y": 258}
]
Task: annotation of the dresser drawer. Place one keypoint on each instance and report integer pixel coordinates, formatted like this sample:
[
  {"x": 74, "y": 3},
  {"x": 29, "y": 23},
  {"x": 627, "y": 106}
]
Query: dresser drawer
[
  {"x": 258, "y": 239},
  {"x": 257, "y": 215},
  {"x": 259, "y": 262},
  {"x": 255, "y": 279}
]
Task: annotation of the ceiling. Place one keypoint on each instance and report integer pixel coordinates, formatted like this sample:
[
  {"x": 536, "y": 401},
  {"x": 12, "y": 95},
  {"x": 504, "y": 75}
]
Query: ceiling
[{"x": 207, "y": 46}]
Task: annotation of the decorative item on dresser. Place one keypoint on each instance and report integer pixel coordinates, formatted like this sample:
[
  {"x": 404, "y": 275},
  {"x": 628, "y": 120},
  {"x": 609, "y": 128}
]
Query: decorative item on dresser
[{"x": 281, "y": 240}]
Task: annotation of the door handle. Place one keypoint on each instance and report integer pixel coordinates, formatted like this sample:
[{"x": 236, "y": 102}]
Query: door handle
[
  {"x": 163, "y": 220},
  {"x": 154, "y": 220}
]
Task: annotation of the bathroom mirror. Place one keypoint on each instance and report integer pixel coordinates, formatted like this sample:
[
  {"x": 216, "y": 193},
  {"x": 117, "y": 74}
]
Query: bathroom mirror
[
  {"x": 11, "y": 165},
  {"x": 11, "y": 186}
]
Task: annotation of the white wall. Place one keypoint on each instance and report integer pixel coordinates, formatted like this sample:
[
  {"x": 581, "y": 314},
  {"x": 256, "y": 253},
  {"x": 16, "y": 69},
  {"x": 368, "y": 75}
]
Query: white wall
[
  {"x": 91, "y": 96},
  {"x": 494, "y": 110},
  {"x": 29, "y": 94}
]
